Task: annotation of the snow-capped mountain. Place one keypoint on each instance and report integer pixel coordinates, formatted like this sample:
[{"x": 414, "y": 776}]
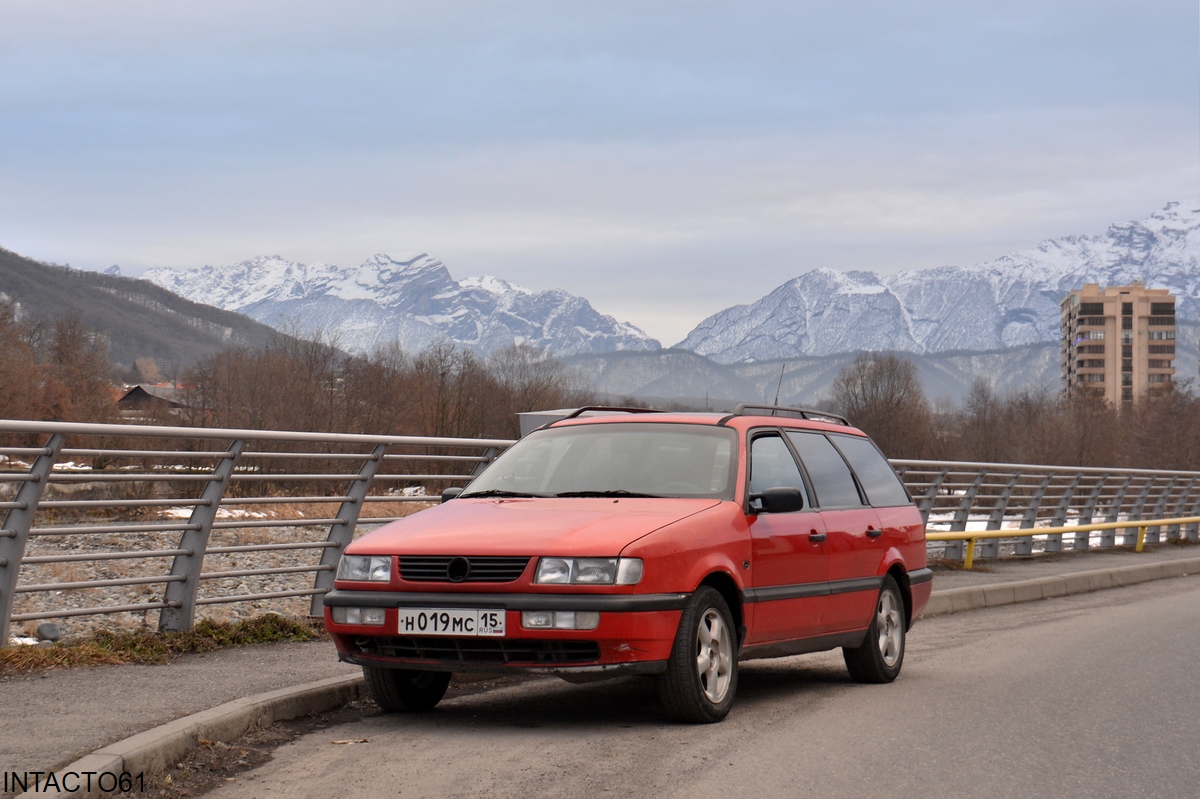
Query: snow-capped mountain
[
  {"x": 1010, "y": 301},
  {"x": 413, "y": 301}
]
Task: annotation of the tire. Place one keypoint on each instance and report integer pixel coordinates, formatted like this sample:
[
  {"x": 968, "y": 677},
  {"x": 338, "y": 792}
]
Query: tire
[
  {"x": 879, "y": 658},
  {"x": 701, "y": 678},
  {"x": 405, "y": 690}
]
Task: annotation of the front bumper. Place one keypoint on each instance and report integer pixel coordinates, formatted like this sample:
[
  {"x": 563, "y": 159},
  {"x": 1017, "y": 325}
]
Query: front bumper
[
  {"x": 634, "y": 636},
  {"x": 596, "y": 670},
  {"x": 612, "y": 603}
]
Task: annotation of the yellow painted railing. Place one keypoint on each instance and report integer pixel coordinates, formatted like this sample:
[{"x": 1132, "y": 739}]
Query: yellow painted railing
[{"x": 971, "y": 536}]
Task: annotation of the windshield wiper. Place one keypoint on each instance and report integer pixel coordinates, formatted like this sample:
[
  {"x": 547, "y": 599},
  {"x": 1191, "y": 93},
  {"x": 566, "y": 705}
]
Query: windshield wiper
[
  {"x": 498, "y": 492},
  {"x": 618, "y": 492}
]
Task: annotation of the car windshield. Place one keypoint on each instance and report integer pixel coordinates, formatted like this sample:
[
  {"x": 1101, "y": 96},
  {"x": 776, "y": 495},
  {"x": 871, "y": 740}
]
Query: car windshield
[{"x": 616, "y": 460}]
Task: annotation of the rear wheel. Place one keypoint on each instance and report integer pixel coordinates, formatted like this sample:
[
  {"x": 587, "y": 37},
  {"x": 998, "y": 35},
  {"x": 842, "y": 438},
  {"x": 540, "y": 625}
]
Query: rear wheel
[
  {"x": 405, "y": 690},
  {"x": 879, "y": 658},
  {"x": 701, "y": 677}
]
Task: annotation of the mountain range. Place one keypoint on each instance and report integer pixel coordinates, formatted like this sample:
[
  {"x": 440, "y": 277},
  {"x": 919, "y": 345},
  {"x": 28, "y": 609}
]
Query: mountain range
[
  {"x": 413, "y": 300},
  {"x": 1008, "y": 302}
]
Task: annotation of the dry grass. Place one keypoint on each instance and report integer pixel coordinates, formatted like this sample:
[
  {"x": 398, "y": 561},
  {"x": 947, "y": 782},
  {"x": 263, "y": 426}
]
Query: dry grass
[{"x": 147, "y": 646}]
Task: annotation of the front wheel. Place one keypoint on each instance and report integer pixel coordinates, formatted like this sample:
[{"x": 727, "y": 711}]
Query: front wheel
[
  {"x": 406, "y": 690},
  {"x": 879, "y": 657},
  {"x": 701, "y": 676}
]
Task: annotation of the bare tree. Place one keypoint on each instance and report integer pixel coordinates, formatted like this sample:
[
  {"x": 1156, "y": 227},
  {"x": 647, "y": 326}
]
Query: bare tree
[
  {"x": 880, "y": 393},
  {"x": 530, "y": 380}
]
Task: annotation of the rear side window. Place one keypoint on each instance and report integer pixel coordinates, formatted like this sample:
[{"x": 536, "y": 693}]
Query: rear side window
[
  {"x": 830, "y": 475},
  {"x": 772, "y": 465},
  {"x": 883, "y": 487}
]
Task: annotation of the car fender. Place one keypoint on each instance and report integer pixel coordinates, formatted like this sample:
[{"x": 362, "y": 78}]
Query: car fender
[
  {"x": 714, "y": 563},
  {"x": 890, "y": 559},
  {"x": 679, "y": 556}
]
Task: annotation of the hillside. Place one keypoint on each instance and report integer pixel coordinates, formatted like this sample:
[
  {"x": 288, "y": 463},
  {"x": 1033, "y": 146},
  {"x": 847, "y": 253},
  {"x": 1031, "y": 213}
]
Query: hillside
[
  {"x": 139, "y": 318},
  {"x": 683, "y": 376}
]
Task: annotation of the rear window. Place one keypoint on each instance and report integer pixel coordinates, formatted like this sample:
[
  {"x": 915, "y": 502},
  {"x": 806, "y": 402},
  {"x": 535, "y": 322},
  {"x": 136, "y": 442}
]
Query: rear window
[
  {"x": 875, "y": 474},
  {"x": 831, "y": 478}
]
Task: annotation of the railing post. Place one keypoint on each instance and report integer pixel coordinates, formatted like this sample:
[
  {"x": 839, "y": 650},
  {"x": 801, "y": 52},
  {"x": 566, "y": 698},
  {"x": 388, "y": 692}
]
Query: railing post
[
  {"x": 489, "y": 455},
  {"x": 990, "y": 548},
  {"x": 341, "y": 532},
  {"x": 1179, "y": 509},
  {"x": 1082, "y": 540},
  {"x": 1108, "y": 538},
  {"x": 15, "y": 534},
  {"x": 1152, "y": 534},
  {"x": 954, "y": 549},
  {"x": 1029, "y": 518},
  {"x": 181, "y": 596},
  {"x": 1191, "y": 531},
  {"x": 1054, "y": 542},
  {"x": 1129, "y": 535},
  {"x": 925, "y": 504}
]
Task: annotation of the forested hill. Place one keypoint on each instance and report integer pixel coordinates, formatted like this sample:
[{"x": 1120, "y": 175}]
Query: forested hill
[{"x": 140, "y": 319}]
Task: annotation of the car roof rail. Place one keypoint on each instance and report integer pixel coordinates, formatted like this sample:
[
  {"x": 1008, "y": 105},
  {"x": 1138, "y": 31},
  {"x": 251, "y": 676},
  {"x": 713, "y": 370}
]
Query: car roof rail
[
  {"x": 609, "y": 408},
  {"x": 780, "y": 410}
]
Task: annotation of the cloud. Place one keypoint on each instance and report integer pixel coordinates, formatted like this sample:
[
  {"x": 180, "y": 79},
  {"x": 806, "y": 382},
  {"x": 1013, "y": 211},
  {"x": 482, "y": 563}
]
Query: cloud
[{"x": 593, "y": 147}]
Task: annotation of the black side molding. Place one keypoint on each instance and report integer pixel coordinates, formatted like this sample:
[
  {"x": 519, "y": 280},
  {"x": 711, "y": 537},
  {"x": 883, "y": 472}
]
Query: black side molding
[
  {"x": 801, "y": 590},
  {"x": 917, "y": 576}
]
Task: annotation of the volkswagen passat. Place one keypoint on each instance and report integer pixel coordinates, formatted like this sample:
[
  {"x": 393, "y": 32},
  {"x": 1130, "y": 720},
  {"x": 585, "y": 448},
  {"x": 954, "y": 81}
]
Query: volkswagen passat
[{"x": 663, "y": 544}]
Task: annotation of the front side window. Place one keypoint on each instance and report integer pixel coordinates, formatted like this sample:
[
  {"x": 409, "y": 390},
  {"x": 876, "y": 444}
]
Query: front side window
[
  {"x": 831, "y": 478},
  {"x": 772, "y": 465},
  {"x": 611, "y": 459}
]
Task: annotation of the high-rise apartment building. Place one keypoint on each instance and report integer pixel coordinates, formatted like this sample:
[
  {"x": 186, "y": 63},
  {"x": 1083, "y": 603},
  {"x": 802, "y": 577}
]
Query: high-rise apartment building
[{"x": 1118, "y": 342}]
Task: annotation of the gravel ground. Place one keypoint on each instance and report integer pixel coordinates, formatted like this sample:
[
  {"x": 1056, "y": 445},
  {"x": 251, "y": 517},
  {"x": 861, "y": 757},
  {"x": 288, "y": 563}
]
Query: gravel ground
[{"x": 81, "y": 626}]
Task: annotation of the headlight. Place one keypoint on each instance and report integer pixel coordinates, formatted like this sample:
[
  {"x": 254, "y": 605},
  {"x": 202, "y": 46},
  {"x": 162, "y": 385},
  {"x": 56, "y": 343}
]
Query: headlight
[
  {"x": 588, "y": 571},
  {"x": 365, "y": 569}
]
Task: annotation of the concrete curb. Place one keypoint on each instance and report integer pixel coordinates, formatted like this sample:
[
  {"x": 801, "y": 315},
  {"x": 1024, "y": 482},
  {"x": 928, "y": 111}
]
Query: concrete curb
[
  {"x": 958, "y": 600},
  {"x": 157, "y": 748}
]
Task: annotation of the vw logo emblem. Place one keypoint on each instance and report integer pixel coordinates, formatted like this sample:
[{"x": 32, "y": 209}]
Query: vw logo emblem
[{"x": 458, "y": 569}]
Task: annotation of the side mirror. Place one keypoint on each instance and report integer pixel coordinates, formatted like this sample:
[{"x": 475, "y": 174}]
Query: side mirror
[
  {"x": 780, "y": 500},
  {"x": 451, "y": 492}
]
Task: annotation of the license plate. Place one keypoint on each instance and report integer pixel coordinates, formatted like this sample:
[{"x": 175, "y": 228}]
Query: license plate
[{"x": 452, "y": 621}]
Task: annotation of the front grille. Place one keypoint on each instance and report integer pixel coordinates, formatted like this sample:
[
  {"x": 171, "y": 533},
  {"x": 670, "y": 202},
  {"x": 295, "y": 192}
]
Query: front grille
[
  {"x": 450, "y": 569},
  {"x": 483, "y": 650}
]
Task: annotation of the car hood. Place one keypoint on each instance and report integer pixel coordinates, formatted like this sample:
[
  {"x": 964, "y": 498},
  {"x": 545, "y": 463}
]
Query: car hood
[{"x": 563, "y": 527}]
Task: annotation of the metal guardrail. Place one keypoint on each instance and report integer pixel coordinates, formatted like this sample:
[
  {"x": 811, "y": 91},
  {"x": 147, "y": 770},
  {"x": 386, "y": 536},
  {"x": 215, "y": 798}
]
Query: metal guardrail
[
  {"x": 1051, "y": 503},
  {"x": 1142, "y": 526},
  {"x": 77, "y": 471},
  {"x": 83, "y": 510}
]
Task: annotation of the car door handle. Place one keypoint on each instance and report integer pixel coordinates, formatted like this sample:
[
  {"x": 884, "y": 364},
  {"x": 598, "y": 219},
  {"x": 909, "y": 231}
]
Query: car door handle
[
  {"x": 816, "y": 537},
  {"x": 873, "y": 533}
]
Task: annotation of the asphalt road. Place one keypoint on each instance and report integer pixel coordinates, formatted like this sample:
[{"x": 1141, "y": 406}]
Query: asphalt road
[{"x": 1086, "y": 696}]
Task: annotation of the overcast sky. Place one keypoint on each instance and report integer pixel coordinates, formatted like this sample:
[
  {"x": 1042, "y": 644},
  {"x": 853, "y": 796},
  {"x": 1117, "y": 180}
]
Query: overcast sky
[{"x": 664, "y": 160}]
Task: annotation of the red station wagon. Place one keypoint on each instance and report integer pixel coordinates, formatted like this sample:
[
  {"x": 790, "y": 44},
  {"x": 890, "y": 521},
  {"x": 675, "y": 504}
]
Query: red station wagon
[{"x": 664, "y": 544}]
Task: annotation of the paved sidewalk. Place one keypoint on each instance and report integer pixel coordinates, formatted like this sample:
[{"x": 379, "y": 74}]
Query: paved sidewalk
[
  {"x": 53, "y": 717},
  {"x": 50, "y": 718}
]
